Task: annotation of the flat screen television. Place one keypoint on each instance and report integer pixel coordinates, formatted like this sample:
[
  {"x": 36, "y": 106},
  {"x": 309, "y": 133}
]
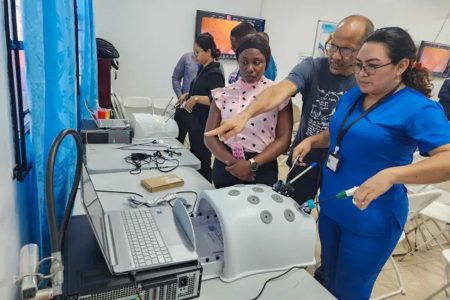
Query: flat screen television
[
  {"x": 435, "y": 57},
  {"x": 219, "y": 25}
]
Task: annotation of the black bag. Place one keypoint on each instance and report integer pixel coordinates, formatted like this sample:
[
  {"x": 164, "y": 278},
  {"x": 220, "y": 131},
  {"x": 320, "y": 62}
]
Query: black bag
[{"x": 107, "y": 50}]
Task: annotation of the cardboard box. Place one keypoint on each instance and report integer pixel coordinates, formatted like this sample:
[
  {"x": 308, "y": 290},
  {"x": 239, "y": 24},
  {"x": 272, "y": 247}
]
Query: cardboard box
[{"x": 160, "y": 183}]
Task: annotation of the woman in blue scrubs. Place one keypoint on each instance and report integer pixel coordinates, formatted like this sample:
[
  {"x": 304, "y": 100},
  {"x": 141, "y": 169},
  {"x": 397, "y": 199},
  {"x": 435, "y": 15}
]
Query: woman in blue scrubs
[{"x": 373, "y": 134}]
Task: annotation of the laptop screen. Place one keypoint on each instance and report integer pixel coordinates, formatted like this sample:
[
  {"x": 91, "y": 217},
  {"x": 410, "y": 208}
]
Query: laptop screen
[{"x": 94, "y": 210}]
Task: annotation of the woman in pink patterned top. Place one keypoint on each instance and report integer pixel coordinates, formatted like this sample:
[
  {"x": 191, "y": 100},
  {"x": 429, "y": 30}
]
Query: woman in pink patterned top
[{"x": 251, "y": 156}]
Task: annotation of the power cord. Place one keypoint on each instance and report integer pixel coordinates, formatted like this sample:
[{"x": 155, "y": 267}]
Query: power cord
[
  {"x": 167, "y": 198},
  {"x": 57, "y": 238},
  {"x": 119, "y": 192},
  {"x": 273, "y": 278},
  {"x": 187, "y": 192},
  {"x": 136, "y": 286},
  {"x": 138, "y": 160}
]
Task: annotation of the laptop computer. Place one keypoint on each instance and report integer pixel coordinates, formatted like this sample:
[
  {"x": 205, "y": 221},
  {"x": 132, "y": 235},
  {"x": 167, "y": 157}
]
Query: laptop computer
[
  {"x": 106, "y": 123},
  {"x": 138, "y": 239}
]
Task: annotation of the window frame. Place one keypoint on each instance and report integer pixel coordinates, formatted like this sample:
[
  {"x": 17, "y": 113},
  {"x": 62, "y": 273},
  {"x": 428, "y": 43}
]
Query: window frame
[{"x": 21, "y": 128}]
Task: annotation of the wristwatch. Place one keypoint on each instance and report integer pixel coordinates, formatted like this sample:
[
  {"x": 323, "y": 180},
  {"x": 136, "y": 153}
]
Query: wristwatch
[{"x": 253, "y": 165}]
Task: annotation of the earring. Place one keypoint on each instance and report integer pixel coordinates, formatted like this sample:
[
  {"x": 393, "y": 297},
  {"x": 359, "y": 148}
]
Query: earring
[{"x": 398, "y": 79}]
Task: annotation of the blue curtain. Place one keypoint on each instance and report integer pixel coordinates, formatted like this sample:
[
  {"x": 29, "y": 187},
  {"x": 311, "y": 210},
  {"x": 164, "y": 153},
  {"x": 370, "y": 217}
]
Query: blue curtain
[
  {"x": 49, "y": 42},
  {"x": 88, "y": 58}
]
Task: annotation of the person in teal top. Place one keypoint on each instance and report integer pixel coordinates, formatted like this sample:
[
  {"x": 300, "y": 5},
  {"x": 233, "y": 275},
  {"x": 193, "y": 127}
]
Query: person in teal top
[{"x": 372, "y": 136}]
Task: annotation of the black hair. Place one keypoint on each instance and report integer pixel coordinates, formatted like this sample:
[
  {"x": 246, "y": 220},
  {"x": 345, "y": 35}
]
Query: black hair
[
  {"x": 256, "y": 41},
  {"x": 400, "y": 45},
  {"x": 206, "y": 42},
  {"x": 242, "y": 29}
]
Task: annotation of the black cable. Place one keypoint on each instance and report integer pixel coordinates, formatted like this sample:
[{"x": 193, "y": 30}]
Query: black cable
[
  {"x": 186, "y": 192},
  {"x": 119, "y": 192},
  {"x": 196, "y": 198},
  {"x": 319, "y": 180},
  {"x": 140, "y": 159},
  {"x": 133, "y": 276},
  {"x": 273, "y": 278},
  {"x": 57, "y": 241}
]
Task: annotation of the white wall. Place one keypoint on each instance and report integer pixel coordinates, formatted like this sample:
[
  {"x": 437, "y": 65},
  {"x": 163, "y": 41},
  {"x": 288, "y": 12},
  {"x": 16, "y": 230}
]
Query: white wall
[
  {"x": 13, "y": 196},
  {"x": 152, "y": 35},
  {"x": 291, "y": 24}
]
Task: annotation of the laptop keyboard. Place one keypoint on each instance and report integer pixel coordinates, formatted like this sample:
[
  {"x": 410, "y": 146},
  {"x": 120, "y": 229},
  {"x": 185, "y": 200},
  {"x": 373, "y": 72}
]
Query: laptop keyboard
[{"x": 146, "y": 244}]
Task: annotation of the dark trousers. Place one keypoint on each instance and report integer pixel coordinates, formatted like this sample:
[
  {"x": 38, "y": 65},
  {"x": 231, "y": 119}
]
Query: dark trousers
[
  {"x": 198, "y": 148},
  {"x": 195, "y": 125},
  {"x": 305, "y": 187},
  {"x": 182, "y": 117},
  {"x": 266, "y": 174}
]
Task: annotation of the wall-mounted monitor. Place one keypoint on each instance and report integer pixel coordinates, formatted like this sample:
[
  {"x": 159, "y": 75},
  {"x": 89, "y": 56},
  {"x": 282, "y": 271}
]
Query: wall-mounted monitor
[
  {"x": 219, "y": 25},
  {"x": 435, "y": 57}
]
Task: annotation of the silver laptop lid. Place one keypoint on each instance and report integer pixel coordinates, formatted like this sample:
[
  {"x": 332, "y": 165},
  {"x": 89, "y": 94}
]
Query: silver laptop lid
[
  {"x": 94, "y": 211},
  {"x": 90, "y": 111}
]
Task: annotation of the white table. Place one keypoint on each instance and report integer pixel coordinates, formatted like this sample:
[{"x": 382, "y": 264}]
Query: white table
[
  {"x": 109, "y": 158},
  {"x": 297, "y": 284},
  {"x": 124, "y": 181}
]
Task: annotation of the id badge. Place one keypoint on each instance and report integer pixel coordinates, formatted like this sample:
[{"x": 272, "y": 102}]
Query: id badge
[
  {"x": 333, "y": 161},
  {"x": 238, "y": 151}
]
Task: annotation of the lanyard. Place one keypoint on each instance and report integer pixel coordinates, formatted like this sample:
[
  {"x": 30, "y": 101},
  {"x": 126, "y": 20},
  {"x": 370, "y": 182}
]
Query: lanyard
[{"x": 342, "y": 131}]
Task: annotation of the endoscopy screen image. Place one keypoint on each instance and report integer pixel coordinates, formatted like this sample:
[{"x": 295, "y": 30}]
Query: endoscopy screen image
[
  {"x": 435, "y": 59},
  {"x": 220, "y": 29}
]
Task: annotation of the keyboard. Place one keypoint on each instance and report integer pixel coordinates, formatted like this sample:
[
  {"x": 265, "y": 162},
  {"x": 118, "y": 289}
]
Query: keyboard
[{"x": 146, "y": 243}]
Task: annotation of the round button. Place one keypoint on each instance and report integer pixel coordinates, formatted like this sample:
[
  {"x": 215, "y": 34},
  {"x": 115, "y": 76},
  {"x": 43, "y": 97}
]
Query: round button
[
  {"x": 289, "y": 215},
  {"x": 253, "y": 199},
  {"x": 277, "y": 198},
  {"x": 234, "y": 193},
  {"x": 266, "y": 216},
  {"x": 258, "y": 189}
]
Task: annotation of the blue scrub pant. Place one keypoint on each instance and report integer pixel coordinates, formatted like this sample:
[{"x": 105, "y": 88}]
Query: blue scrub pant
[{"x": 352, "y": 262}]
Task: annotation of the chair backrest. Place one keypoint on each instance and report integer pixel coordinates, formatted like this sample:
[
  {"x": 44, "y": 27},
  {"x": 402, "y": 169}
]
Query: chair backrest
[{"x": 419, "y": 201}]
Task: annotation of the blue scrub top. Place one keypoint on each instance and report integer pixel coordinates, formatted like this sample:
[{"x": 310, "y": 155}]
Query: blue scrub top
[{"x": 386, "y": 137}]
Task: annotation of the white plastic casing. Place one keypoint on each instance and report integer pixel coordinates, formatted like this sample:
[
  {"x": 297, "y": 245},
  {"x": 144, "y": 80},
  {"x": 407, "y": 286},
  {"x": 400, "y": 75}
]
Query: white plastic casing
[{"x": 248, "y": 229}]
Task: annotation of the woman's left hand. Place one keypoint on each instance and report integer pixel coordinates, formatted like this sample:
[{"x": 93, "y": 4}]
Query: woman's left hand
[
  {"x": 190, "y": 103},
  {"x": 372, "y": 188},
  {"x": 241, "y": 169}
]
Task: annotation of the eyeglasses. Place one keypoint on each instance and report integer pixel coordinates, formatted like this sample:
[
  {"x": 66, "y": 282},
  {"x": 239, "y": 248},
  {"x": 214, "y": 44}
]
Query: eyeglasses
[
  {"x": 343, "y": 51},
  {"x": 369, "y": 69}
]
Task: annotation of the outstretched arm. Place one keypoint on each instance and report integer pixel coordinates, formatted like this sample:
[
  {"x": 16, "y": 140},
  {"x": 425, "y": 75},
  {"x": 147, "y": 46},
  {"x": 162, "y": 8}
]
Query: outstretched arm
[
  {"x": 434, "y": 169},
  {"x": 282, "y": 139},
  {"x": 266, "y": 101}
]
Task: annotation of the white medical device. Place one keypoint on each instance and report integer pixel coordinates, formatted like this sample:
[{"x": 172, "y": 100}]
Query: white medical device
[{"x": 248, "y": 229}]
